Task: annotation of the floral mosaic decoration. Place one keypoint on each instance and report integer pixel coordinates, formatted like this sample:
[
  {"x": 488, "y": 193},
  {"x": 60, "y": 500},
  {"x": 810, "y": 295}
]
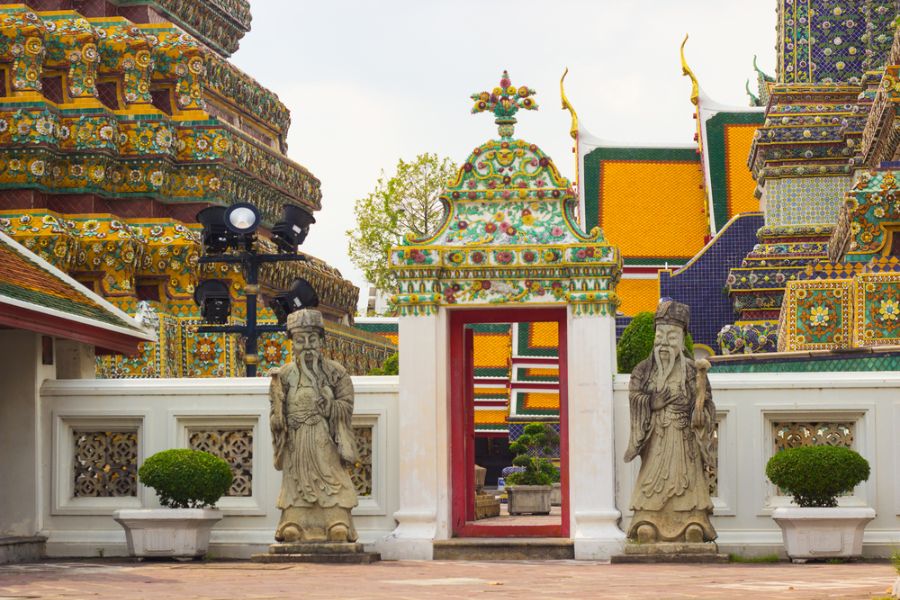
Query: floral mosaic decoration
[{"x": 510, "y": 235}]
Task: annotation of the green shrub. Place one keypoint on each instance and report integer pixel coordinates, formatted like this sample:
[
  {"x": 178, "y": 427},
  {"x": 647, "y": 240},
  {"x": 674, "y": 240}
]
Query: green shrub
[
  {"x": 531, "y": 448},
  {"x": 816, "y": 475},
  {"x": 390, "y": 366},
  {"x": 186, "y": 478},
  {"x": 636, "y": 342}
]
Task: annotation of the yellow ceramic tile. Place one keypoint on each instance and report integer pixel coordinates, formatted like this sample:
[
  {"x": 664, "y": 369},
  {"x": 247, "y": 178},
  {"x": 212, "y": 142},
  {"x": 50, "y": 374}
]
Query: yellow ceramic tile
[
  {"x": 654, "y": 209},
  {"x": 491, "y": 350},
  {"x": 543, "y": 335},
  {"x": 637, "y": 295},
  {"x": 740, "y": 181}
]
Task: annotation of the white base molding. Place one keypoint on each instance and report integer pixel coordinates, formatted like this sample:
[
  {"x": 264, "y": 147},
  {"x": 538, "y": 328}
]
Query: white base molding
[
  {"x": 818, "y": 532},
  {"x": 175, "y": 532}
]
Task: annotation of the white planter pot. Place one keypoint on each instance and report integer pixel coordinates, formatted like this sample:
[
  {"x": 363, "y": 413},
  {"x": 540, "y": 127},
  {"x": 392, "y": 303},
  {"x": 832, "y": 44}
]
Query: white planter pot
[
  {"x": 822, "y": 532},
  {"x": 175, "y": 532},
  {"x": 533, "y": 499}
]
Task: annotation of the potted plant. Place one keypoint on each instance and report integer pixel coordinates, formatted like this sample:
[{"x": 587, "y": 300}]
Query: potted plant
[
  {"x": 529, "y": 490},
  {"x": 817, "y": 527},
  {"x": 188, "y": 484}
]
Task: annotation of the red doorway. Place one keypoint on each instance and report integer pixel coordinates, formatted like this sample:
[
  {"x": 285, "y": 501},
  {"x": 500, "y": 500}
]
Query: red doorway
[{"x": 462, "y": 432}]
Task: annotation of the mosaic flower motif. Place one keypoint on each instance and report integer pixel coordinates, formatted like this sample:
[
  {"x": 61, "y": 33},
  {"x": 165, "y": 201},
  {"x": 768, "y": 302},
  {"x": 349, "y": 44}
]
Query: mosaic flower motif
[
  {"x": 206, "y": 349},
  {"x": 819, "y": 316},
  {"x": 889, "y": 309}
]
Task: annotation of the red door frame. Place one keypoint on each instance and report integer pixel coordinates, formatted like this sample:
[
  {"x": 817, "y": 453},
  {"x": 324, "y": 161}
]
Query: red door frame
[{"x": 462, "y": 423}]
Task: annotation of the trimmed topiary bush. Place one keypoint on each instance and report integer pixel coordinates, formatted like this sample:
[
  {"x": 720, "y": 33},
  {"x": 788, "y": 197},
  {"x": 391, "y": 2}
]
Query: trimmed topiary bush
[
  {"x": 185, "y": 478},
  {"x": 530, "y": 448},
  {"x": 636, "y": 342},
  {"x": 816, "y": 475}
]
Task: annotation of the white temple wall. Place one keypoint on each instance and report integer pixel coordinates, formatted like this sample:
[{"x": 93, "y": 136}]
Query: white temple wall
[
  {"x": 21, "y": 373},
  {"x": 862, "y": 408},
  {"x": 145, "y": 416}
]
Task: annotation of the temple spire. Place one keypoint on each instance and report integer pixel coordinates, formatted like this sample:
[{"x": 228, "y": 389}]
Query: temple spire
[
  {"x": 686, "y": 70},
  {"x": 566, "y": 105},
  {"x": 504, "y": 101}
]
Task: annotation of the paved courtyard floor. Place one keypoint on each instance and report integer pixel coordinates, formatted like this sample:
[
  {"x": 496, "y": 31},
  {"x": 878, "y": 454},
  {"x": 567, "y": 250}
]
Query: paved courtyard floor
[{"x": 100, "y": 579}]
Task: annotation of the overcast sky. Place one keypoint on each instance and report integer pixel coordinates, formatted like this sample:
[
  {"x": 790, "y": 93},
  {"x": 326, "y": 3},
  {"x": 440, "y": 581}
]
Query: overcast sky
[{"x": 371, "y": 81}]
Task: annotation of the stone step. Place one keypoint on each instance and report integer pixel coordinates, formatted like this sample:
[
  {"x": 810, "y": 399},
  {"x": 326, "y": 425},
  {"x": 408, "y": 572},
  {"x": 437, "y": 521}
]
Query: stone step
[
  {"x": 14, "y": 549},
  {"x": 504, "y": 549}
]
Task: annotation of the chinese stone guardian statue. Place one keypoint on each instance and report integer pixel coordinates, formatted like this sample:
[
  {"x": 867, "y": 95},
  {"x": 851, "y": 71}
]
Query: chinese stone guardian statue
[
  {"x": 672, "y": 423},
  {"x": 311, "y": 409}
]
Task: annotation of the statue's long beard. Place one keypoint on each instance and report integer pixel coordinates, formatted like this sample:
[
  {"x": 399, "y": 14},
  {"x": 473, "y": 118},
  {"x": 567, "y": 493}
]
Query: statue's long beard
[
  {"x": 310, "y": 364},
  {"x": 665, "y": 366}
]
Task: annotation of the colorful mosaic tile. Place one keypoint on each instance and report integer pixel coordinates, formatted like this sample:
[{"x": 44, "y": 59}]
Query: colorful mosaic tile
[
  {"x": 699, "y": 284},
  {"x": 821, "y": 41},
  {"x": 182, "y": 352},
  {"x": 804, "y": 201},
  {"x": 219, "y": 23},
  {"x": 868, "y": 218},
  {"x": 510, "y": 235},
  {"x": 210, "y": 160},
  {"x": 817, "y": 315},
  {"x": 877, "y": 309},
  {"x": 849, "y": 363}
]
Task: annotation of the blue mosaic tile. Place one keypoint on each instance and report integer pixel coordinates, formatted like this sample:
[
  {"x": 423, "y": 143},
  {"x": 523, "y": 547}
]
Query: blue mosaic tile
[{"x": 701, "y": 284}]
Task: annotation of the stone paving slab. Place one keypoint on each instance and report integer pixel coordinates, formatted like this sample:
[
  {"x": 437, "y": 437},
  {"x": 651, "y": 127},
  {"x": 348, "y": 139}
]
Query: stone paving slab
[{"x": 101, "y": 579}]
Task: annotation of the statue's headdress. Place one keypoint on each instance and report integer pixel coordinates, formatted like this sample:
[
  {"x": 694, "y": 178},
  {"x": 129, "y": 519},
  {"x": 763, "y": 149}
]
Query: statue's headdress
[
  {"x": 670, "y": 312},
  {"x": 305, "y": 318}
]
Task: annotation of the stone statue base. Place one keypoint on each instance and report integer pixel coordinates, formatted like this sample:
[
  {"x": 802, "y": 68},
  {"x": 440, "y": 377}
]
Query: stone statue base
[
  {"x": 317, "y": 552},
  {"x": 670, "y": 552}
]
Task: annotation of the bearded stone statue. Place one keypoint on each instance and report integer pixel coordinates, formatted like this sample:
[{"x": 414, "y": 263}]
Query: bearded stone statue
[
  {"x": 311, "y": 409},
  {"x": 672, "y": 424}
]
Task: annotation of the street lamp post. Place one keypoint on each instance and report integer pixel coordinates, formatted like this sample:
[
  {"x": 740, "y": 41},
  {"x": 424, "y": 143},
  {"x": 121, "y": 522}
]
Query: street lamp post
[{"x": 235, "y": 228}]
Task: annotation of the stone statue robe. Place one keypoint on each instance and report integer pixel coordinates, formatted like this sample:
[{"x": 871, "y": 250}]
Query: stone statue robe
[
  {"x": 672, "y": 488},
  {"x": 313, "y": 440}
]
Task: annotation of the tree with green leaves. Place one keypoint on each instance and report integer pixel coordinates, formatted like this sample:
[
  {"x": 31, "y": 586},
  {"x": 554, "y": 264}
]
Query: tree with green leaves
[{"x": 406, "y": 202}]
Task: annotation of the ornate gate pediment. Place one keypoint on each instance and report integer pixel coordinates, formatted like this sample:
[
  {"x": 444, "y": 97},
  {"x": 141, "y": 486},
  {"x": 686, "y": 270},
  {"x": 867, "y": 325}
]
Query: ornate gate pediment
[{"x": 510, "y": 234}]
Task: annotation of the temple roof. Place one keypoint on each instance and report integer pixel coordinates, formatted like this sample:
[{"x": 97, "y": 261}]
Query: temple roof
[
  {"x": 36, "y": 296},
  {"x": 682, "y": 193}
]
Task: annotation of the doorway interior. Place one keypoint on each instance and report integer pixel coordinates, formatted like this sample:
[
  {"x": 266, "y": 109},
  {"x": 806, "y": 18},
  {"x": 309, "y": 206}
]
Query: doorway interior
[{"x": 534, "y": 390}]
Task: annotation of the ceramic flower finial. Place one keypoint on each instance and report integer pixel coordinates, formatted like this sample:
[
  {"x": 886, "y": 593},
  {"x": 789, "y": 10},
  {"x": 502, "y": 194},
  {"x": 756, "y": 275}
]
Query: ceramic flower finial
[{"x": 505, "y": 101}]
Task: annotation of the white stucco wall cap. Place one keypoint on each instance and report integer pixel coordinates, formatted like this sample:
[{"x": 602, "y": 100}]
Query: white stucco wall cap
[
  {"x": 223, "y": 386},
  {"x": 823, "y": 380}
]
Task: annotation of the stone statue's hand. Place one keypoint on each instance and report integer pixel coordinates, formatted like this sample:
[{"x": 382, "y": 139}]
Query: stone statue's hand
[
  {"x": 697, "y": 419},
  {"x": 659, "y": 399}
]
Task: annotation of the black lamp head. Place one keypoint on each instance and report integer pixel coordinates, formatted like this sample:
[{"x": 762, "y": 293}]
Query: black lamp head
[
  {"x": 215, "y": 238},
  {"x": 242, "y": 218},
  {"x": 293, "y": 227},
  {"x": 300, "y": 295},
  {"x": 214, "y": 300}
]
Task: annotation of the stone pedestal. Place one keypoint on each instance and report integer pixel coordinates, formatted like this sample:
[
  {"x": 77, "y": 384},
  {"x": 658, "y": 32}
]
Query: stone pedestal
[
  {"x": 670, "y": 552},
  {"x": 317, "y": 552}
]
